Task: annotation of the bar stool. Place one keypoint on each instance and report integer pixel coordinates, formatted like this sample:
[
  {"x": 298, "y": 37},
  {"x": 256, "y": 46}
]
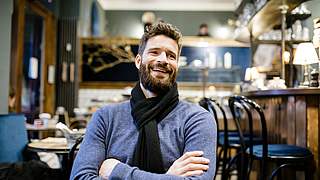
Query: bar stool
[
  {"x": 282, "y": 154},
  {"x": 228, "y": 140}
]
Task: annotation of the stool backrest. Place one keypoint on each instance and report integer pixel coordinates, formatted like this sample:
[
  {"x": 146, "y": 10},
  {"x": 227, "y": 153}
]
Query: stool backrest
[
  {"x": 13, "y": 137},
  {"x": 212, "y": 105},
  {"x": 240, "y": 107}
]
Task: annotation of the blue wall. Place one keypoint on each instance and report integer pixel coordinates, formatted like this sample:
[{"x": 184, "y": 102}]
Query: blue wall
[{"x": 240, "y": 55}]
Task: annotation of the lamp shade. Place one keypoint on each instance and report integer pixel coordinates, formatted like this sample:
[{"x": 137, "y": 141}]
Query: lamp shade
[{"x": 305, "y": 54}]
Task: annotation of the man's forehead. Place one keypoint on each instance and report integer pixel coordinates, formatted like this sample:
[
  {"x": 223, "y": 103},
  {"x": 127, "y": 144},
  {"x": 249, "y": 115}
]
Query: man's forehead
[{"x": 162, "y": 41}]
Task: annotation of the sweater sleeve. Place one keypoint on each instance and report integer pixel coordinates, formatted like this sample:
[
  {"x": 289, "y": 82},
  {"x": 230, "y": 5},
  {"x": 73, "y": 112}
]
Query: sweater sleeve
[
  {"x": 92, "y": 151},
  {"x": 200, "y": 134}
]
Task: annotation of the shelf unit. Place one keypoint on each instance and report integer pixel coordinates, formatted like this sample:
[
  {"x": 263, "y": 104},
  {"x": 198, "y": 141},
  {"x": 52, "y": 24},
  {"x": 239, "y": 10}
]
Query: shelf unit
[
  {"x": 274, "y": 14},
  {"x": 269, "y": 16}
]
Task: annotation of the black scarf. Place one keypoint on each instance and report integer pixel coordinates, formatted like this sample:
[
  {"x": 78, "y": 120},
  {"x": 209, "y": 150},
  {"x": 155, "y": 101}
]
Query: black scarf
[{"x": 147, "y": 112}]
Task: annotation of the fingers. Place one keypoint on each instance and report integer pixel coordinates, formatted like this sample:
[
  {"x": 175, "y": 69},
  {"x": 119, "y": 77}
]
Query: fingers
[
  {"x": 190, "y": 164},
  {"x": 194, "y": 167},
  {"x": 193, "y": 163},
  {"x": 192, "y": 173},
  {"x": 190, "y": 154},
  {"x": 195, "y": 160}
]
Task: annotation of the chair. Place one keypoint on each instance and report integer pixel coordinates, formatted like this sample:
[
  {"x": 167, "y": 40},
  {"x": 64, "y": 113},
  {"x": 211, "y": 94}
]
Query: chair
[
  {"x": 228, "y": 140},
  {"x": 72, "y": 154},
  {"x": 282, "y": 154},
  {"x": 78, "y": 124},
  {"x": 13, "y": 138}
]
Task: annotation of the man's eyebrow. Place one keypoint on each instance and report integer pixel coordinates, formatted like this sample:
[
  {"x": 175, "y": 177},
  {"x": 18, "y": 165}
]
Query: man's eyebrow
[
  {"x": 165, "y": 49},
  {"x": 155, "y": 48}
]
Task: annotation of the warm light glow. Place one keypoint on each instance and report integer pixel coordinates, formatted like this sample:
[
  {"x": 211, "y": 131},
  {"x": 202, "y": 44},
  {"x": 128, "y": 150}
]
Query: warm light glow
[
  {"x": 305, "y": 54},
  {"x": 247, "y": 76},
  {"x": 137, "y": 30},
  {"x": 222, "y": 32},
  {"x": 286, "y": 57},
  {"x": 251, "y": 74}
]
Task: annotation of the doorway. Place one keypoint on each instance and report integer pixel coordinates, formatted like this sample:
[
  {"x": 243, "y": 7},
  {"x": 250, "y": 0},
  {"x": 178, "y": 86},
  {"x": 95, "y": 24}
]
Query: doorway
[{"x": 33, "y": 55}]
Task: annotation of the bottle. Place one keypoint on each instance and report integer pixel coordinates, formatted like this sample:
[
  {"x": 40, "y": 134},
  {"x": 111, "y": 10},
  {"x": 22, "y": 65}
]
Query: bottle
[
  {"x": 227, "y": 60},
  {"x": 62, "y": 115}
]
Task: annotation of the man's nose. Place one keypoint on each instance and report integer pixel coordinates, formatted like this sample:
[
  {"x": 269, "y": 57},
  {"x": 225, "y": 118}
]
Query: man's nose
[{"x": 163, "y": 57}]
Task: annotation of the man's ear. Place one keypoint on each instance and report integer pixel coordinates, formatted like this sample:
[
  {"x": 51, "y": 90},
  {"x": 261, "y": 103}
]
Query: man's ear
[{"x": 137, "y": 61}]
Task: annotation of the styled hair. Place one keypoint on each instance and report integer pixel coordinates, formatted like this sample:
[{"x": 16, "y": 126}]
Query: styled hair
[
  {"x": 161, "y": 28},
  {"x": 203, "y": 25}
]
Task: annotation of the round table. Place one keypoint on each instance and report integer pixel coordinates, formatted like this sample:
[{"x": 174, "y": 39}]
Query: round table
[{"x": 50, "y": 144}]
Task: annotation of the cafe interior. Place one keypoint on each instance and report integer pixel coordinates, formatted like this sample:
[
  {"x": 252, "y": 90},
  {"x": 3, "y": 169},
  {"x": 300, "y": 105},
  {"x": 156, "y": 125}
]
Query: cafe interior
[{"x": 253, "y": 64}]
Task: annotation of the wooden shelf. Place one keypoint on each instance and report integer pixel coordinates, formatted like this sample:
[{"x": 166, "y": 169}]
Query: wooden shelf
[
  {"x": 240, "y": 7},
  {"x": 278, "y": 41},
  {"x": 269, "y": 16},
  {"x": 292, "y": 18},
  {"x": 283, "y": 92}
]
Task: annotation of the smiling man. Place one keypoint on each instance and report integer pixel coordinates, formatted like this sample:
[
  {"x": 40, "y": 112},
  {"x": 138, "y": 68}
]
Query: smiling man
[{"x": 154, "y": 135}]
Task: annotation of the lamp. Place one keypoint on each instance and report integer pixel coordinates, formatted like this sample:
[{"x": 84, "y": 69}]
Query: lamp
[{"x": 305, "y": 55}]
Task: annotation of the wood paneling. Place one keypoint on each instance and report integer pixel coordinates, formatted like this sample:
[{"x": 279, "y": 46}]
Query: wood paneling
[
  {"x": 17, "y": 34},
  {"x": 313, "y": 126},
  {"x": 301, "y": 121},
  {"x": 50, "y": 60},
  {"x": 289, "y": 127}
]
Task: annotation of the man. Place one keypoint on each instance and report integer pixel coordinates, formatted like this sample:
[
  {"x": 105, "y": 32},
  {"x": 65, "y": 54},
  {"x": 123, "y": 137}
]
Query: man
[
  {"x": 154, "y": 135},
  {"x": 203, "y": 30}
]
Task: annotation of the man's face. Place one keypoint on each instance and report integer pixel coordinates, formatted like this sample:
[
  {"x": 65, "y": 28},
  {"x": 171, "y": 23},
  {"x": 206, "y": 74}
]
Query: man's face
[
  {"x": 158, "y": 65},
  {"x": 203, "y": 31}
]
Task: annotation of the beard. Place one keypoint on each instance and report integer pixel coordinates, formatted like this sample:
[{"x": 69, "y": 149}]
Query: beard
[{"x": 158, "y": 86}]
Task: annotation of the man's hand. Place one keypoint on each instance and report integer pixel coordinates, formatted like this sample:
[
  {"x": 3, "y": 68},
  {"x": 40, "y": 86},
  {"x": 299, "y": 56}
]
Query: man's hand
[
  {"x": 107, "y": 167},
  {"x": 190, "y": 164}
]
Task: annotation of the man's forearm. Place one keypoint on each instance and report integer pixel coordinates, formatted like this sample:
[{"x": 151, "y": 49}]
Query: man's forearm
[{"x": 124, "y": 171}]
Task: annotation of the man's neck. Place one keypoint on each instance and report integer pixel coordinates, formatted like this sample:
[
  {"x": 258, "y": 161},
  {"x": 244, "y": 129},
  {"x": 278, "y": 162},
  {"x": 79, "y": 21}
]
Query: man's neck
[{"x": 147, "y": 93}]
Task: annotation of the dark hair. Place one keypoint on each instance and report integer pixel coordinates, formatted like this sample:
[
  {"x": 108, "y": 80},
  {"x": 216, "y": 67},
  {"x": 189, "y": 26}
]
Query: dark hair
[
  {"x": 160, "y": 28},
  {"x": 203, "y": 25}
]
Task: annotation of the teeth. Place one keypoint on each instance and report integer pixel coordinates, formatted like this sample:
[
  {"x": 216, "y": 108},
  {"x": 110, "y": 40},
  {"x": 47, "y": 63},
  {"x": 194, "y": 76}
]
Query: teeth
[{"x": 160, "y": 70}]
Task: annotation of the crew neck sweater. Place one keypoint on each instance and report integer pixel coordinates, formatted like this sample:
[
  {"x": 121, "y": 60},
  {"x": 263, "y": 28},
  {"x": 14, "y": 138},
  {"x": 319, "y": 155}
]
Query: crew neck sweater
[{"x": 112, "y": 133}]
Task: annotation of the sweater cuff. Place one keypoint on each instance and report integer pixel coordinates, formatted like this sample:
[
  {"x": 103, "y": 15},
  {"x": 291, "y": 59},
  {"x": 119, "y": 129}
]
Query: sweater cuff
[{"x": 121, "y": 170}]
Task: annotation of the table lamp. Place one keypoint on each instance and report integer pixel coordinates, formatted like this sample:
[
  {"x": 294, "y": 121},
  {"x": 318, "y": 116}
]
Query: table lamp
[{"x": 305, "y": 55}]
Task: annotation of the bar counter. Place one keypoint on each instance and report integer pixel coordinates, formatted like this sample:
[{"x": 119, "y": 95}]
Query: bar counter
[{"x": 293, "y": 117}]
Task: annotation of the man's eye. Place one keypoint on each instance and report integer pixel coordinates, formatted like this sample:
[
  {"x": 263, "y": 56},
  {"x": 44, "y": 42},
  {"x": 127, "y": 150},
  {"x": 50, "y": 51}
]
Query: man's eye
[
  {"x": 153, "y": 52},
  {"x": 172, "y": 57}
]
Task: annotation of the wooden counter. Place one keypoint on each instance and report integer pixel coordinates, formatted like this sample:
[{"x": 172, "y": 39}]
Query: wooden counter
[{"x": 293, "y": 116}]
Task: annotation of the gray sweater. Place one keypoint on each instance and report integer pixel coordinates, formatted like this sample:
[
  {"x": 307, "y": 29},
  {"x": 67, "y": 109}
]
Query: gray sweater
[{"x": 112, "y": 133}]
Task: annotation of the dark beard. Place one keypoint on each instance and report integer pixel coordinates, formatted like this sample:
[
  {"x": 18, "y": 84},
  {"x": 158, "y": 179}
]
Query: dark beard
[{"x": 155, "y": 85}]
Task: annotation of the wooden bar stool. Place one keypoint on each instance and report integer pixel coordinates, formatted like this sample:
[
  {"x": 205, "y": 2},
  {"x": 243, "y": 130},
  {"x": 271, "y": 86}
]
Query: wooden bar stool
[{"x": 295, "y": 157}]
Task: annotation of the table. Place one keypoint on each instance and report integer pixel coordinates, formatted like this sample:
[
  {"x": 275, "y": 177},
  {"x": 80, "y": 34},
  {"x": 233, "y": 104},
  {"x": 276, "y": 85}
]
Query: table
[
  {"x": 40, "y": 132},
  {"x": 54, "y": 145},
  {"x": 50, "y": 144}
]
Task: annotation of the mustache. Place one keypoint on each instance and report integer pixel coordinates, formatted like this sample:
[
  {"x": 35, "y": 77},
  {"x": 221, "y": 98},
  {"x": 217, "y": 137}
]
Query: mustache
[{"x": 163, "y": 66}]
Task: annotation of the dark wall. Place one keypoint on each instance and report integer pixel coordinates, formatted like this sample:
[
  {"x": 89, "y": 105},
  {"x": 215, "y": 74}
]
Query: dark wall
[
  {"x": 314, "y": 7},
  {"x": 127, "y": 23},
  {"x": 6, "y": 8},
  {"x": 69, "y": 8}
]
